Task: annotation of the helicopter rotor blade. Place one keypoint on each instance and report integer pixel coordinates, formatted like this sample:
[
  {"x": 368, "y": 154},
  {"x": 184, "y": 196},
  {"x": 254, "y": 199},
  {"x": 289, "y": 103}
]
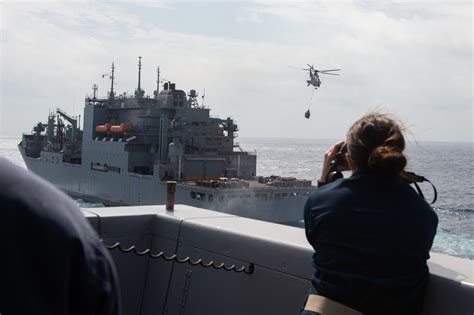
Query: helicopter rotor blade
[
  {"x": 299, "y": 68},
  {"x": 322, "y": 71},
  {"x": 329, "y": 73}
]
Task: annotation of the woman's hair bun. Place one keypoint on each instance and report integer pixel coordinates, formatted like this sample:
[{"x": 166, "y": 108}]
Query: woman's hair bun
[
  {"x": 376, "y": 143},
  {"x": 386, "y": 160}
]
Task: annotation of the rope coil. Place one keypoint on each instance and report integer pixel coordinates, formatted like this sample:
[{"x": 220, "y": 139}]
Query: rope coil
[{"x": 247, "y": 270}]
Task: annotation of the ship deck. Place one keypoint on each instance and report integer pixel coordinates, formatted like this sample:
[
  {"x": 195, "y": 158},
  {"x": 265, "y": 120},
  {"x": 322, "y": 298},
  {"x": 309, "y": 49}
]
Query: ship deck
[{"x": 253, "y": 185}]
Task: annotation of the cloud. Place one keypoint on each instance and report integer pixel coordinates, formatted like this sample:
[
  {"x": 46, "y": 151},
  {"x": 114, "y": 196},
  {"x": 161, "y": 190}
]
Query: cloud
[
  {"x": 249, "y": 15},
  {"x": 415, "y": 59}
]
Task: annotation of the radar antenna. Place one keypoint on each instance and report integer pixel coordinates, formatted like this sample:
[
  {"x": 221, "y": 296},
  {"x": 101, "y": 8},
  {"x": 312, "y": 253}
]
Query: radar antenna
[{"x": 193, "y": 99}]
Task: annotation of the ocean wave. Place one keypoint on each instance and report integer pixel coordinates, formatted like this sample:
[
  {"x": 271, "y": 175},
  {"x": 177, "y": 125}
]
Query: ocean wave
[
  {"x": 84, "y": 204},
  {"x": 452, "y": 244},
  {"x": 454, "y": 210}
]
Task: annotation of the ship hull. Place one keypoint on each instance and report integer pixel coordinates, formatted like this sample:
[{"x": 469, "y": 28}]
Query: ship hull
[{"x": 79, "y": 181}]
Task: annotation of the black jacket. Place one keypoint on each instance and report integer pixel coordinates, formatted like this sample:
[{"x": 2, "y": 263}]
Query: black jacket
[
  {"x": 372, "y": 237},
  {"x": 51, "y": 261}
]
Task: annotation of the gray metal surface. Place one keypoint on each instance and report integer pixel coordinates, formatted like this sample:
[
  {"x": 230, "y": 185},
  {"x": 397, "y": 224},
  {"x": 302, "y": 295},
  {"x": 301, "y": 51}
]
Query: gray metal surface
[{"x": 281, "y": 255}]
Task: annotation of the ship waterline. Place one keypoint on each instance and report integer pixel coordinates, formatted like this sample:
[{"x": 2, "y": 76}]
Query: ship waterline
[{"x": 258, "y": 201}]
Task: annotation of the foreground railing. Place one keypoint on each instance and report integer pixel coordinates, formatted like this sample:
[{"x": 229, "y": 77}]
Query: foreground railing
[{"x": 195, "y": 261}]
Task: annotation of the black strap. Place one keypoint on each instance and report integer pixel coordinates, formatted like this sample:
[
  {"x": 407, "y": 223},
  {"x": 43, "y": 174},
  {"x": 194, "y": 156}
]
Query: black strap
[
  {"x": 413, "y": 178},
  {"x": 435, "y": 197}
]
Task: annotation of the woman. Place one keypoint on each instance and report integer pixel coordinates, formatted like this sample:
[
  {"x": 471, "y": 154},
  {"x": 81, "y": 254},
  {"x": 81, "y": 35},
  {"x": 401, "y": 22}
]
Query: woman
[{"x": 371, "y": 232}]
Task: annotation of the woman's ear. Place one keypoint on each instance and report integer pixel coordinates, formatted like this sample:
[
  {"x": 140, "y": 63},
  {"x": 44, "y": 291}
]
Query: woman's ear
[{"x": 350, "y": 162}]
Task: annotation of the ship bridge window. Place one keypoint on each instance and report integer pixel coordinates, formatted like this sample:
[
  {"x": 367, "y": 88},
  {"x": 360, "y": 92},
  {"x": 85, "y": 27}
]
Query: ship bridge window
[
  {"x": 114, "y": 169},
  {"x": 211, "y": 198},
  {"x": 105, "y": 168},
  {"x": 277, "y": 197},
  {"x": 200, "y": 196},
  {"x": 193, "y": 194}
]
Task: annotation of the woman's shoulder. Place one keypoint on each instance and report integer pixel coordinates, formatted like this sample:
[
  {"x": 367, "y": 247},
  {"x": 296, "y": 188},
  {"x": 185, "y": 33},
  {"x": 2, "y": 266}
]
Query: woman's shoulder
[
  {"x": 334, "y": 191},
  {"x": 365, "y": 189}
]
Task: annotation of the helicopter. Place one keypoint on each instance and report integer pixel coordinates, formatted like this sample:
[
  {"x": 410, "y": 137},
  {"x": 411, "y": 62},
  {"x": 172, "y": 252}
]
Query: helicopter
[{"x": 314, "y": 79}]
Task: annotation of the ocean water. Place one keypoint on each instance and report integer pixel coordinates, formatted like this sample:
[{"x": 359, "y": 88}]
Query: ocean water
[{"x": 448, "y": 165}]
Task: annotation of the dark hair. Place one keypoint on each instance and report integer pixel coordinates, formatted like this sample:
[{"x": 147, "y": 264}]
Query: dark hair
[{"x": 376, "y": 144}]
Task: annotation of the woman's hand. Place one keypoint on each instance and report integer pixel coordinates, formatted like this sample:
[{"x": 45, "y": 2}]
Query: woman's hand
[{"x": 329, "y": 155}]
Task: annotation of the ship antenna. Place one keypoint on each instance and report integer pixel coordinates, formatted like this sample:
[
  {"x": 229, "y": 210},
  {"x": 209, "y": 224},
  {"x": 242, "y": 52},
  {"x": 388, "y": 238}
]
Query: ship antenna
[
  {"x": 203, "y": 96},
  {"x": 139, "y": 92},
  {"x": 112, "y": 77},
  {"x": 157, "y": 81},
  {"x": 139, "y": 71},
  {"x": 95, "y": 88}
]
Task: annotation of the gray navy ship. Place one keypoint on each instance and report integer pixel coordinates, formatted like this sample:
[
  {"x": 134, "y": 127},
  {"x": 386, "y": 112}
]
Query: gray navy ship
[{"x": 131, "y": 145}]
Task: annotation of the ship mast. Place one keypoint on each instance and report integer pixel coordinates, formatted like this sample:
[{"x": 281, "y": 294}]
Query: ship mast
[
  {"x": 139, "y": 92},
  {"x": 95, "y": 88},
  {"x": 112, "y": 77},
  {"x": 139, "y": 71},
  {"x": 157, "y": 81}
]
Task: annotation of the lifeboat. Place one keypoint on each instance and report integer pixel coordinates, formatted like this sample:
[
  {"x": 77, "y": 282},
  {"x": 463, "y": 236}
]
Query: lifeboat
[
  {"x": 103, "y": 128},
  {"x": 120, "y": 129}
]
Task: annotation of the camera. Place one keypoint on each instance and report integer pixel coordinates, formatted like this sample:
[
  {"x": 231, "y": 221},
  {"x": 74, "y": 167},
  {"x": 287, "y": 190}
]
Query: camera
[
  {"x": 338, "y": 164},
  {"x": 340, "y": 160}
]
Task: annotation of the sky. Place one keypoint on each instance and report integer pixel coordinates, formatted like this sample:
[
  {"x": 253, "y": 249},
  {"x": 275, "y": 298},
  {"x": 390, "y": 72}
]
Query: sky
[{"x": 412, "y": 59}]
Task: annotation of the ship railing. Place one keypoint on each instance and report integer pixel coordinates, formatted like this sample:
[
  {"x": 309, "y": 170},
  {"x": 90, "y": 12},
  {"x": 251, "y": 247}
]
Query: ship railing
[{"x": 204, "y": 249}]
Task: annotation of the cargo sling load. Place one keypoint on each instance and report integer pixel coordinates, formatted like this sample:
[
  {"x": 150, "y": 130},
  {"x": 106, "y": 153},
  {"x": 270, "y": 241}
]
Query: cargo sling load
[{"x": 130, "y": 145}]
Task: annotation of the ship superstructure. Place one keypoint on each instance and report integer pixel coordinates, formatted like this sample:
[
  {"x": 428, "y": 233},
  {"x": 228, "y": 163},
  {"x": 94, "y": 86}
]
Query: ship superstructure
[{"x": 131, "y": 144}]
